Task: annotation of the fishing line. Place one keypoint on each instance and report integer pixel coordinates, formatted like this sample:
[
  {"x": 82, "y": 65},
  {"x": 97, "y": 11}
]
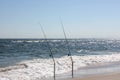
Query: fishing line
[
  {"x": 49, "y": 47},
  {"x": 67, "y": 43}
]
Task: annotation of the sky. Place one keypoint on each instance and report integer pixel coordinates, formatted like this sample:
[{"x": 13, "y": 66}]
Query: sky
[{"x": 81, "y": 18}]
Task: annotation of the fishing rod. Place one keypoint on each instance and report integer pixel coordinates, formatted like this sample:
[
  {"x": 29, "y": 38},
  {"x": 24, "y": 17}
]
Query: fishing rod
[
  {"x": 50, "y": 49},
  {"x": 67, "y": 43}
]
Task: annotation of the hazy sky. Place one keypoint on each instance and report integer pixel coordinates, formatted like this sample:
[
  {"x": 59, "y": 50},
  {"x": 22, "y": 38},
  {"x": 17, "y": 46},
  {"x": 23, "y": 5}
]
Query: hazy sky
[{"x": 81, "y": 18}]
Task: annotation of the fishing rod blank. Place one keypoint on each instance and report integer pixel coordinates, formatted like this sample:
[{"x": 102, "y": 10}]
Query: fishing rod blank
[
  {"x": 68, "y": 47},
  {"x": 49, "y": 47}
]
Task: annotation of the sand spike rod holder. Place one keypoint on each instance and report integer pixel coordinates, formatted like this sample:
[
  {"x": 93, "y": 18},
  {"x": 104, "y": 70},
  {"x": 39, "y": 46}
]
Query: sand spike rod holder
[
  {"x": 67, "y": 43},
  {"x": 49, "y": 47}
]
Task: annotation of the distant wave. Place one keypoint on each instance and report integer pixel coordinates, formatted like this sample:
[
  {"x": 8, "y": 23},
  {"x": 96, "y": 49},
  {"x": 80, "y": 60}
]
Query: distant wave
[{"x": 30, "y": 60}]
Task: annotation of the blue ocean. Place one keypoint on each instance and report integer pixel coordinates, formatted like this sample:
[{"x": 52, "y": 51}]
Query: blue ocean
[{"x": 30, "y": 59}]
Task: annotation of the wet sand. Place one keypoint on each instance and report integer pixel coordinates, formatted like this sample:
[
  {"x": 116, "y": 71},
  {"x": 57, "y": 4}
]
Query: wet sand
[
  {"x": 108, "y": 71},
  {"x": 110, "y": 76}
]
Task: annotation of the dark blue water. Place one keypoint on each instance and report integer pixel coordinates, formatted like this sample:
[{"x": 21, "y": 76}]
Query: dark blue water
[{"x": 38, "y": 47}]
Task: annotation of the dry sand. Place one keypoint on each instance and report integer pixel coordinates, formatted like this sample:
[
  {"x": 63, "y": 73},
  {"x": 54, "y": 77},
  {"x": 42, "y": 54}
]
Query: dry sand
[{"x": 110, "y": 76}]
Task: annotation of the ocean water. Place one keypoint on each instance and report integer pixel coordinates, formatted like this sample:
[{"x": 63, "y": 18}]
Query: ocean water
[{"x": 29, "y": 59}]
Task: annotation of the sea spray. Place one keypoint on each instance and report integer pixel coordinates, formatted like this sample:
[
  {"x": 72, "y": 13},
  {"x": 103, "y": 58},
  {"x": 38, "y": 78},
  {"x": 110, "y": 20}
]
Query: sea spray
[{"x": 34, "y": 54}]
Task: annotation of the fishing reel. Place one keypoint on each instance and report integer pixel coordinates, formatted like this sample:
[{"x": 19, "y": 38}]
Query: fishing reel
[{"x": 69, "y": 54}]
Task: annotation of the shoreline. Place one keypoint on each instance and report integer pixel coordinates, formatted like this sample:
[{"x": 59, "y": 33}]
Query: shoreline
[
  {"x": 108, "y": 76},
  {"x": 79, "y": 74},
  {"x": 93, "y": 72}
]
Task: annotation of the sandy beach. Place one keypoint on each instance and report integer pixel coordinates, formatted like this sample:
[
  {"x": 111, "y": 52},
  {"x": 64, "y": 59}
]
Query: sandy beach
[{"x": 110, "y": 76}]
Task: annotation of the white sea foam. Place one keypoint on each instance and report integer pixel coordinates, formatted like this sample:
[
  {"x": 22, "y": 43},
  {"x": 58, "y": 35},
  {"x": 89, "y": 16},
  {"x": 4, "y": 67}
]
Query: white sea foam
[
  {"x": 18, "y": 41},
  {"x": 36, "y": 41},
  {"x": 38, "y": 69}
]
